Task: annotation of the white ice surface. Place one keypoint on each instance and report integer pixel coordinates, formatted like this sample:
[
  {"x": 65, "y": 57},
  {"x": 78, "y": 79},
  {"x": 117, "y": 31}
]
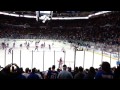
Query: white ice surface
[{"x": 49, "y": 55}]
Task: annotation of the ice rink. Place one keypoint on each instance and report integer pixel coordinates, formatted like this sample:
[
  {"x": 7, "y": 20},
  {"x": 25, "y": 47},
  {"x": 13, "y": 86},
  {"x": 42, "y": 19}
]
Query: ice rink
[{"x": 45, "y": 58}]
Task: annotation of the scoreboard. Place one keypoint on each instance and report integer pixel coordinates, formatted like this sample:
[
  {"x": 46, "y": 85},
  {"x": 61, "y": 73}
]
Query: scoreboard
[
  {"x": 45, "y": 12},
  {"x": 43, "y": 15}
]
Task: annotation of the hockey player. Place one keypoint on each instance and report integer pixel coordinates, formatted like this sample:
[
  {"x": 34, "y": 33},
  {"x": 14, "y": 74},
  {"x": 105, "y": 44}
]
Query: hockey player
[
  {"x": 3, "y": 45},
  {"x": 60, "y": 63},
  {"x": 44, "y": 44},
  {"x": 36, "y": 43},
  {"x": 7, "y": 45},
  {"x": 52, "y": 44},
  {"x": 20, "y": 45},
  {"x": 14, "y": 45},
  {"x": 25, "y": 43},
  {"x": 63, "y": 50},
  {"x": 28, "y": 45},
  {"x": 49, "y": 47},
  {"x": 36, "y": 48},
  {"x": 9, "y": 50}
]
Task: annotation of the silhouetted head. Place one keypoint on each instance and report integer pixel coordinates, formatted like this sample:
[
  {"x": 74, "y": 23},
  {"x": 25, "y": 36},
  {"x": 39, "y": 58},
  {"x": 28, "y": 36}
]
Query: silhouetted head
[
  {"x": 27, "y": 70},
  {"x": 106, "y": 67},
  {"x": 69, "y": 69},
  {"x": 76, "y": 69},
  {"x": 58, "y": 70},
  {"x": 49, "y": 69},
  {"x": 64, "y": 67},
  {"x": 34, "y": 70},
  {"x": 53, "y": 67},
  {"x": 80, "y": 69},
  {"x": 92, "y": 69},
  {"x": 20, "y": 70}
]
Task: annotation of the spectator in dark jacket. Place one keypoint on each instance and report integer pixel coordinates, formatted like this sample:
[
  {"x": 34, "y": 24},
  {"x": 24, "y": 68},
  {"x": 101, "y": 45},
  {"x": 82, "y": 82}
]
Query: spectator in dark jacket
[
  {"x": 65, "y": 74},
  {"x": 105, "y": 72},
  {"x": 117, "y": 73},
  {"x": 80, "y": 74},
  {"x": 33, "y": 74},
  {"x": 91, "y": 73}
]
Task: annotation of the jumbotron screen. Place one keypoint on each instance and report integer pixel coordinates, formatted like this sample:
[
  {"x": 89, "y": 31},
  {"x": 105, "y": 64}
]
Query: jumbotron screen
[{"x": 45, "y": 12}]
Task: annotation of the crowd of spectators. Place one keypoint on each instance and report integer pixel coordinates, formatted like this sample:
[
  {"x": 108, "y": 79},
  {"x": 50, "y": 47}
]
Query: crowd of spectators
[{"x": 13, "y": 71}]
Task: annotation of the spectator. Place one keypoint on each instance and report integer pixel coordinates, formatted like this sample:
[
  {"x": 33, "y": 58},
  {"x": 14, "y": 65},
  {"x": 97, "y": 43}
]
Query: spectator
[
  {"x": 80, "y": 74},
  {"x": 105, "y": 73},
  {"x": 52, "y": 74},
  {"x": 65, "y": 74},
  {"x": 91, "y": 73},
  {"x": 39, "y": 74},
  {"x": 70, "y": 70},
  {"x": 117, "y": 73},
  {"x": 58, "y": 70},
  {"x": 45, "y": 74},
  {"x": 26, "y": 74},
  {"x": 76, "y": 70},
  {"x": 20, "y": 75},
  {"x": 33, "y": 74}
]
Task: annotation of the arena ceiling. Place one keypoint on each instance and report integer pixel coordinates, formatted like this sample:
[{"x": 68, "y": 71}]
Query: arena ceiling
[{"x": 26, "y": 22}]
